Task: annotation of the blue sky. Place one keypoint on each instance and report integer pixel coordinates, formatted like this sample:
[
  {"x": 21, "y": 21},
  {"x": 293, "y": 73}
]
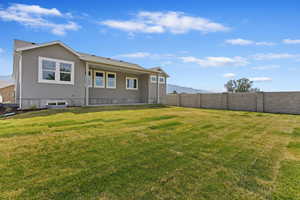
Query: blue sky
[{"x": 201, "y": 44}]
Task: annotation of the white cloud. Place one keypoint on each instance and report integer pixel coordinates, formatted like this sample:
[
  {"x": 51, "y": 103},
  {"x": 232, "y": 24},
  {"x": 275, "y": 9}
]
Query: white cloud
[
  {"x": 36, "y": 17},
  {"x": 243, "y": 42},
  {"x": 229, "y": 75},
  {"x": 265, "y": 43},
  {"x": 1, "y": 50},
  {"x": 239, "y": 41},
  {"x": 266, "y": 67},
  {"x": 260, "y": 79},
  {"x": 35, "y": 9},
  {"x": 135, "y": 55},
  {"x": 160, "y": 22},
  {"x": 216, "y": 61},
  {"x": 272, "y": 56},
  {"x": 291, "y": 41}
]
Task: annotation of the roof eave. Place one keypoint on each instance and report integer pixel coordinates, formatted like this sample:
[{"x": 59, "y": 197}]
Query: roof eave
[
  {"x": 48, "y": 44},
  {"x": 129, "y": 68}
]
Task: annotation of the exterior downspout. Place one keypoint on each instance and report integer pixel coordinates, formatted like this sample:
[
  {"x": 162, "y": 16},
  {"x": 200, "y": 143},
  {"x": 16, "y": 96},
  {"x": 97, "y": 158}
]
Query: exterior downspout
[
  {"x": 20, "y": 81},
  {"x": 86, "y": 84}
]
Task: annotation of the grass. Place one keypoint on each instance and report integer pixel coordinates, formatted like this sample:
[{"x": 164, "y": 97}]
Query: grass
[{"x": 149, "y": 152}]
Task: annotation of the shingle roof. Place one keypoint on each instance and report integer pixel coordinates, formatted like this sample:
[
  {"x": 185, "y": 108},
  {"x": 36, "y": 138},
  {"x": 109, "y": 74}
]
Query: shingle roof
[
  {"x": 159, "y": 69},
  {"x": 93, "y": 58},
  {"x": 4, "y": 83},
  {"x": 110, "y": 61}
]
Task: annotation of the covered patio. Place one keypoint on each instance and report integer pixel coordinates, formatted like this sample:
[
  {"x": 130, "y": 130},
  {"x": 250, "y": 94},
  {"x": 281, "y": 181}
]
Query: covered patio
[{"x": 111, "y": 85}]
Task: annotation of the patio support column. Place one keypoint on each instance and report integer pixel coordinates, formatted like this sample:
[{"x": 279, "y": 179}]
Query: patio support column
[{"x": 86, "y": 83}]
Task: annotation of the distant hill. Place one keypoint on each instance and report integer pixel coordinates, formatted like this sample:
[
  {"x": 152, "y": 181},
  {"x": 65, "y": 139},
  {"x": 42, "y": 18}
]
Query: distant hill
[
  {"x": 5, "y": 80},
  {"x": 180, "y": 89}
]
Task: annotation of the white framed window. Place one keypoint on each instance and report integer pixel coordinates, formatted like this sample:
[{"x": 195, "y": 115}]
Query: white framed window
[
  {"x": 57, "y": 103},
  {"x": 55, "y": 71},
  {"x": 99, "y": 79},
  {"x": 153, "y": 79},
  {"x": 162, "y": 79},
  {"x": 132, "y": 83},
  {"x": 111, "y": 80}
]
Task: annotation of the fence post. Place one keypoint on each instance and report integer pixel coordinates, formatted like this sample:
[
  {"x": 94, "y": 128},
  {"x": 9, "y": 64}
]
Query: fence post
[
  {"x": 226, "y": 103},
  {"x": 178, "y": 99},
  {"x": 199, "y": 100},
  {"x": 260, "y": 102}
]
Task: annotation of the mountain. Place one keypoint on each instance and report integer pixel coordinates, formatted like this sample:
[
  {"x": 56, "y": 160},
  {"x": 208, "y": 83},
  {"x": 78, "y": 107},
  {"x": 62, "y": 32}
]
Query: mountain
[
  {"x": 5, "y": 80},
  {"x": 181, "y": 89}
]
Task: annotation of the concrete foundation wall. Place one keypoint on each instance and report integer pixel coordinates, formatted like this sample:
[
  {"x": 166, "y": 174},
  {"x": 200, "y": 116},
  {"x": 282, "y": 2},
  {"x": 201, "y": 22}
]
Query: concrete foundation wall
[
  {"x": 271, "y": 102},
  {"x": 28, "y": 103}
]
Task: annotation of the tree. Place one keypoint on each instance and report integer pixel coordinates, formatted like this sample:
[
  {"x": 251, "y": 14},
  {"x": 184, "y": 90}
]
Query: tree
[
  {"x": 240, "y": 85},
  {"x": 230, "y": 85}
]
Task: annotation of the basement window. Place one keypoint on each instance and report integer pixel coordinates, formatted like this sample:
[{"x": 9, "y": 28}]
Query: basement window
[{"x": 57, "y": 103}]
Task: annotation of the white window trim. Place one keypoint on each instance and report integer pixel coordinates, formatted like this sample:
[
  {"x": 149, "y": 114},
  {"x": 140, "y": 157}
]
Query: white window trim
[
  {"x": 57, "y": 71},
  {"x": 104, "y": 78},
  {"x": 107, "y": 73},
  {"x": 137, "y": 83},
  {"x": 56, "y": 102},
  {"x": 164, "y": 79},
  {"x": 153, "y": 76}
]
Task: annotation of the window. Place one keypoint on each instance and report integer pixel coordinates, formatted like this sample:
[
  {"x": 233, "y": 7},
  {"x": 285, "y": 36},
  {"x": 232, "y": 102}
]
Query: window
[
  {"x": 57, "y": 103},
  {"x": 99, "y": 79},
  {"x": 65, "y": 71},
  {"x": 51, "y": 103},
  {"x": 61, "y": 103},
  {"x": 131, "y": 83},
  {"x": 110, "y": 80},
  {"x": 56, "y": 71},
  {"x": 161, "y": 79},
  {"x": 49, "y": 69},
  {"x": 153, "y": 78}
]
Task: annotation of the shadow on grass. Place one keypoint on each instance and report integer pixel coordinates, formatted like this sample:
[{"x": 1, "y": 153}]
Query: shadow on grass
[{"x": 82, "y": 110}]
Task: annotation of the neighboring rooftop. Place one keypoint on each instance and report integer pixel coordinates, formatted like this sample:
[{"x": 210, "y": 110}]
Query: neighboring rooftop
[{"x": 6, "y": 81}]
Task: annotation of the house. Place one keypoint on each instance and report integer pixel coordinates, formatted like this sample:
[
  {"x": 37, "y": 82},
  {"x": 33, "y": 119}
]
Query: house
[
  {"x": 7, "y": 92},
  {"x": 53, "y": 74}
]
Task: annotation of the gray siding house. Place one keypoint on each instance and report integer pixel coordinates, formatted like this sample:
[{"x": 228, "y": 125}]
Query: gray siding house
[{"x": 53, "y": 74}]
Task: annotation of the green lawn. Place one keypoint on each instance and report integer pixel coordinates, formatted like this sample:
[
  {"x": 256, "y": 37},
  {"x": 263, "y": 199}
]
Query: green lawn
[{"x": 149, "y": 152}]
